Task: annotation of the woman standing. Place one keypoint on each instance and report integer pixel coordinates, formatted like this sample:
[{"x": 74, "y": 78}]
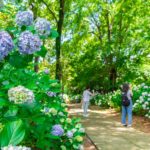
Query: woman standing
[
  {"x": 126, "y": 105},
  {"x": 86, "y": 101}
]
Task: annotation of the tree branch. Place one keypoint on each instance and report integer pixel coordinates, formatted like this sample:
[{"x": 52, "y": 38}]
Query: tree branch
[{"x": 52, "y": 13}]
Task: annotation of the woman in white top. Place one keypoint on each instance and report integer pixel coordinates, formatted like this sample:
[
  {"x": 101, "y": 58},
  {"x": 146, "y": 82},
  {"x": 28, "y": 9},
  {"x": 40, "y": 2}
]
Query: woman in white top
[
  {"x": 127, "y": 110},
  {"x": 86, "y": 101}
]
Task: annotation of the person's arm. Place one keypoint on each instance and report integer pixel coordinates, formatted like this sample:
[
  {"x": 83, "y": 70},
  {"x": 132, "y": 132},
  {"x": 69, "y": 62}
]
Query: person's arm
[
  {"x": 131, "y": 94},
  {"x": 91, "y": 94}
]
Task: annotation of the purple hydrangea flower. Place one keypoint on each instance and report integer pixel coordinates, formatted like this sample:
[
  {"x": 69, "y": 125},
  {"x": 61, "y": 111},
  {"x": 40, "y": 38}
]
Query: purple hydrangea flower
[
  {"x": 43, "y": 27},
  {"x": 24, "y": 18},
  {"x": 69, "y": 134},
  {"x": 57, "y": 130},
  {"x": 29, "y": 43},
  {"x": 46, "y": 71},
  {"x": 51, "y": 94},
  {"x": 6, "y": 44}
]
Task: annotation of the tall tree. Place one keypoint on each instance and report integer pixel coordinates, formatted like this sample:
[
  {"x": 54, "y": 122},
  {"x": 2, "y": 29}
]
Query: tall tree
[{"x": 58, "y": 39}]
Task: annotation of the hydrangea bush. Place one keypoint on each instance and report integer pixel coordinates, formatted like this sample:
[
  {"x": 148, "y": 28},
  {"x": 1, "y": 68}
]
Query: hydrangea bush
[
  {"x": 32, "y": 111},
  {"x": 111, "y": 99},
  {"x": 142, "y": 100}
]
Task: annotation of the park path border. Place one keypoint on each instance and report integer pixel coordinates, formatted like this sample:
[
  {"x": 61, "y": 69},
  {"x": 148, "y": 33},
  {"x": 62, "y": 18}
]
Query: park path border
[{"x": 91, "y": 141}]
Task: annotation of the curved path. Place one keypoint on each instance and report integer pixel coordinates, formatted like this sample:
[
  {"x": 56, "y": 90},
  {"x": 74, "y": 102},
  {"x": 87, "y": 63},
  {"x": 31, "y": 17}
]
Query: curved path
[{"x": 108, "y": 134}]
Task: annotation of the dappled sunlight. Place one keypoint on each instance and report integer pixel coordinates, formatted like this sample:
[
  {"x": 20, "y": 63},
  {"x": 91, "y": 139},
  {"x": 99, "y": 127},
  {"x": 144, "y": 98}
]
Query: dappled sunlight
[{"x": 110, "y": 134}]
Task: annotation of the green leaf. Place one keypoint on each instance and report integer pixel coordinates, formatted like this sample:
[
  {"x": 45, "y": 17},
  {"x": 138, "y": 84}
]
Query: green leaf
[
  {"x": 11, "y": 112},
  {"x": 54, "y": 34},
  {"x": 42, "y": 52},
  {"x": 31, "y": 29},
  {"x": 20, "y": 61},
  {"x": 12, "y": 134},
  {"x": 3, "y": 102},
  {"x": 54, "y": 137},
  {"x": 23, "y": 28}
]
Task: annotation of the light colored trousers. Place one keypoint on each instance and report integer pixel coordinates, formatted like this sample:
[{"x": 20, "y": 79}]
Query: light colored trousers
[
  {"x": 85, "y": 107},
  {"x": 127, "y": 111}
]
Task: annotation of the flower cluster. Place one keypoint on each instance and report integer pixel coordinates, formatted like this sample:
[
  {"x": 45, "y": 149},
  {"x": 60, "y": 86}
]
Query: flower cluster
[
  {"x": 29, "y": 43},
  {"x": 143, "y": 101},
  {"x": 57, "y": 130},
  {"x": 20, "y": 95},
  {"x": 46, "y": 71},
  {"x": 42, "y": 26},
  {"x": 24, "y": 18},
  {"x": 16, "y": 148},
  {"x": 48, "y": 111},
  {"x": 69, "y": 134},
  {"x": 51, "y": 94},
  {"x": 6, "y": 44}
]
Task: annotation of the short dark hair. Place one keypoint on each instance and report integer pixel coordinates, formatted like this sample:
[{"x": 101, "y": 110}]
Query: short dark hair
[
  {"x": 125, "y": 87},
  {"x": 87, "y": 87}
]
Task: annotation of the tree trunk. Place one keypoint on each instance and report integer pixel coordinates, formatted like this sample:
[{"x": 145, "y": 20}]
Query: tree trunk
[
  {"x": 36, "y": 66},
  {"x": 34, "y": 9},
  {"x": 58, "y": 40},
  {"x": 112, "y": 78}
]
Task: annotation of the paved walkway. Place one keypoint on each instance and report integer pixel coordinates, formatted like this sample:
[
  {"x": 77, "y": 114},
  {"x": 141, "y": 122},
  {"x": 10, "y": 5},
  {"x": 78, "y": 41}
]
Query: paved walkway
[{"x": 108, "y": 134}]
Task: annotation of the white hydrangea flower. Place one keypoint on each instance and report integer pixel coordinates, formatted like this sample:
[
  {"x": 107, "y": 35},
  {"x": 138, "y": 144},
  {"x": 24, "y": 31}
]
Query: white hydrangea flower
[
  {"x": 48, "y": 111},
  {"x": 146, "y": 103},
  {"x": 74, "y": 130},
  {"x": 61, "y": 114},
  {"x": 81, "y": 147},
  {"x": 20, "y": 95},
  {"x": 15, "y": 148},
  {"x": 82, "y": 130},
  {"x": 68, "y": 120},
  {"x": 53, "y": 111}
]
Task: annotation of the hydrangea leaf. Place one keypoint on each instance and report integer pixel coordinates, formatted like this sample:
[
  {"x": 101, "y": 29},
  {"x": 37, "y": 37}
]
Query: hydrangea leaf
[
  {"x": 14, "y": 133},
  {"x": 42, "y": 52},
  {"x": 11, "y": 112},
  {"x": 20, "y": 61},
  {"x": 3, "y": 102},
  {"x": 53, "y": 34}
]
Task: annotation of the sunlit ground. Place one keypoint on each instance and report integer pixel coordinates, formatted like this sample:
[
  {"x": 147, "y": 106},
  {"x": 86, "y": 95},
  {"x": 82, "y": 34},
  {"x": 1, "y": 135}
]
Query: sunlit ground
[{"x": 109, "y": 134}]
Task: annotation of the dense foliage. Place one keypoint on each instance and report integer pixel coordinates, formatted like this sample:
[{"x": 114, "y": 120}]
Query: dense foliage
[
  {"x": 32, "y": 110},
  {"x": 141, "y": 100}
]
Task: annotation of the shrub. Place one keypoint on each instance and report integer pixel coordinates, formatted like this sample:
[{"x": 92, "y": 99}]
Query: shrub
[
  {"x": 142, "y": 100},
  {"x": 32, "y": 112},
  {"x": 112, "y": 99}
]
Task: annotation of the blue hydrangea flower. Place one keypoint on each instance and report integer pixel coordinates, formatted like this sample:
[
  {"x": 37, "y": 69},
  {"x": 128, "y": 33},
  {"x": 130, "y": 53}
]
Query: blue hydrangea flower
[
  {"x": 24, "y": 18},
  {"x": 57, "y": 130},
  {"x": 29, "y": 43},
  {"x": 69, "y": 134},
  {"x": 43, "y": 27},
  {"x": 6, "y": 44},
  {"x": 51, "y": 94}
]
